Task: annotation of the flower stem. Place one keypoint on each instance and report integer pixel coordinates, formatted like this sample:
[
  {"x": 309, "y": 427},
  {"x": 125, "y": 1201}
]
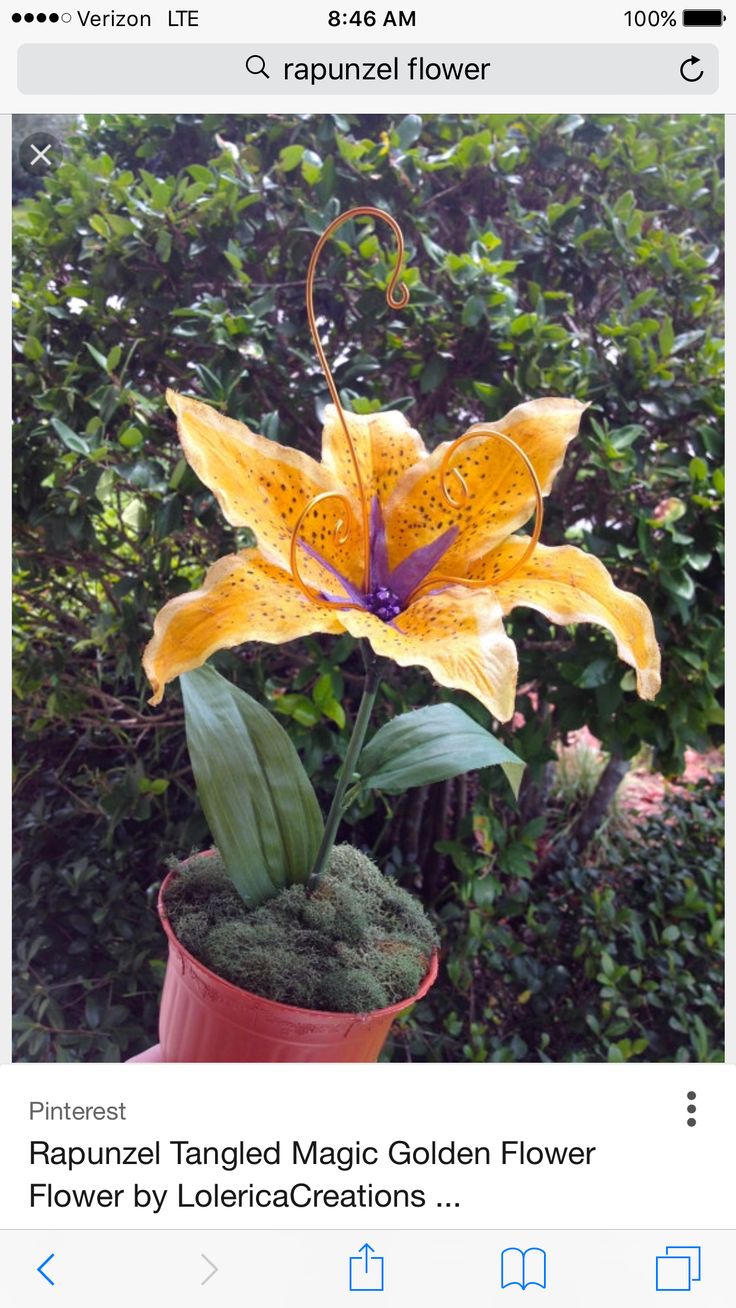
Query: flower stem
[{"x": 355, "y": 745}]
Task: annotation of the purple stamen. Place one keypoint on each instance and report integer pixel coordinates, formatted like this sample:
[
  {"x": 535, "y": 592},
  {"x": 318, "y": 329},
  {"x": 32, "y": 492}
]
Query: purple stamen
[
  {"x": 378, "y": 547},
  {"x": 389, "y": 591},
  {"x": 411, "y": 572},
  {"x": 350, "y": 590},
  {"x": 384, "y": 603}
]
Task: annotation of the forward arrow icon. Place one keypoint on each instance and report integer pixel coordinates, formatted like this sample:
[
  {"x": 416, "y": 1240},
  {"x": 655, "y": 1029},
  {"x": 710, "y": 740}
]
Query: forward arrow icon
[{"x": 209, "y": 1263}]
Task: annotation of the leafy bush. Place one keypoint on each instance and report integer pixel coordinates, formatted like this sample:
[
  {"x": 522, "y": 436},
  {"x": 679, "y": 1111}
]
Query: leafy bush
[
  {"x": 620, "y": 960},
  {"x": 546, "y": 255}
]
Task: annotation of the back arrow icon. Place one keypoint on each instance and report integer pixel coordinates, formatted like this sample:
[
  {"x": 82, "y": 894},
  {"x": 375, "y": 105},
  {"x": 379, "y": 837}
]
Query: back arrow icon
[
  {"x": 209, "y": 1275},
  {"x": 693, "y": 60},
  {"x": 41, "y": 1266}
]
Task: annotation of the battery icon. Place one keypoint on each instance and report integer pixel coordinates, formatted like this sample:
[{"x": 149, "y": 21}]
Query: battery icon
[{"x": 703, "y": 18}]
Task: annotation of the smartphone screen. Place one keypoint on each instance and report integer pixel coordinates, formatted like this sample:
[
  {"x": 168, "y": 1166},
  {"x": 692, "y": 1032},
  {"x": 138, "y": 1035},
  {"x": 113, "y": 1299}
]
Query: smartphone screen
[{"x": 368, "y": 671}]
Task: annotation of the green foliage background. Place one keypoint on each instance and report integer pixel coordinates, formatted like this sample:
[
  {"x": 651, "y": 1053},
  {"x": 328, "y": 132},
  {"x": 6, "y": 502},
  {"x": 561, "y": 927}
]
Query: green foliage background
[{"x": 546, "y": 255}]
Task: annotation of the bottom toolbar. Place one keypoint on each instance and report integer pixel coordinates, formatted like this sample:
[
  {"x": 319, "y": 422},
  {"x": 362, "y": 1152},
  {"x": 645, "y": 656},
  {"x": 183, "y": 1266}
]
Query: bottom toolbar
[{"x": 304, "y": 1269}]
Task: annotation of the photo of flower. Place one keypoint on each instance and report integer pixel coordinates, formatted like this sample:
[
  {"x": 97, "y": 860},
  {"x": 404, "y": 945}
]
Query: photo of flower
[{"x": 335, "y": 682}]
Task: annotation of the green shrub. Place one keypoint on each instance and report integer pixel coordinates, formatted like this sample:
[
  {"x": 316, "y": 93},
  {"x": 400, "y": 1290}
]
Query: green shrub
[{"x": 615, "y": 961}]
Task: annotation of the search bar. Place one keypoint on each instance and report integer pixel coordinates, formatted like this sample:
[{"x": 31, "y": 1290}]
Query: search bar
[{"x": 323, "y": 69}]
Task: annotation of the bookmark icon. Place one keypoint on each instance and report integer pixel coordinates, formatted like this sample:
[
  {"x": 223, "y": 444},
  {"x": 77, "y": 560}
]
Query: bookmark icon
[{"x": 523, "y": 1267}]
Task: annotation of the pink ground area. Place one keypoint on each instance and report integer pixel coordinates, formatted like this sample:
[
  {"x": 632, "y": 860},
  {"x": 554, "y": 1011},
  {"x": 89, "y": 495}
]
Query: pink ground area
[{"x": 643, "y": 791}]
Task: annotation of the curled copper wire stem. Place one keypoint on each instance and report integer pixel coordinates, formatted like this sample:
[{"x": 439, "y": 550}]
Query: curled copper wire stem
[
  {"x": 482, "y": 429},
  {"x": 397, "y": 297},
  {"x": 342, "y": 533}
]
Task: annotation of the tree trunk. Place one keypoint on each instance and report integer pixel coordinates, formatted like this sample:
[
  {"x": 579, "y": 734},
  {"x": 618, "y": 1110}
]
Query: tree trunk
[
  {"x": 535, "y": 794},
  {"x": 412, "y": 825},
  {"x": 439, "y": 820},
  {"x": 586, "y": 825}
]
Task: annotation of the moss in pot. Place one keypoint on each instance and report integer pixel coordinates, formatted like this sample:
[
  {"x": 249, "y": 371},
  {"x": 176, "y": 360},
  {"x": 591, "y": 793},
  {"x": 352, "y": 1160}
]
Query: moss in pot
[{"x": 359, "y": 943}]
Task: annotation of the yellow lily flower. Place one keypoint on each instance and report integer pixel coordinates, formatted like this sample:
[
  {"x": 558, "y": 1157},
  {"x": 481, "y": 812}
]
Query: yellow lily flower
[{"x": 414, "y": 551}]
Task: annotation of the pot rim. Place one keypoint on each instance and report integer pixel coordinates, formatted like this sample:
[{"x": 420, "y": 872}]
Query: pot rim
[{"x": 391, "y": 1011}]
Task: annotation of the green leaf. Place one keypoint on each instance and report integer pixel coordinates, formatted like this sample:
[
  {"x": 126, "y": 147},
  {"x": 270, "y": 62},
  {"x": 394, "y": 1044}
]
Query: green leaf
[
  {"x": 324, "y": 690},
  {"x": 163, "y": 245},
  {"x": 334, "y": 710},
  {"x": 622, "y": 437},
  {"x": 311, "y": 167},
  {"x": 534, "y": 829},
  {"x": 113, "y": 358},
  {"x": 678, "y": 583},
  {"x": 409, "y": 130},
  {"x": 200, "y": 173},
  {"x": 666, "y": 338},
  {"x": 135, "y": 516},
  {"x": 298, "y": 707},
  {"x": 99, "y": 225},
  {"x": 432, "y": 374},
  {"x": 69, "y": 437},
  {"x": 524, "y": 323},
  {"x": 685, "y": 340},
  {"x": 33, "y": 349},
  {"x": 155, "y": 786},
  {"x": 432, "y": 744},
  {"x": 326, "y": 700},
  {"x": 120, "y": 226},
  {"x": 435, "y": 251},
  {"x": 97, "y": 355},
  {"x": 596, "y": 674},
  {"x": 290, "y": 157},
  {"x": 473, "y": 310},
  {"x": 131, "y": 438},
  {"x": 305, "y": 713},
  {"x": 254, "y": 792}
]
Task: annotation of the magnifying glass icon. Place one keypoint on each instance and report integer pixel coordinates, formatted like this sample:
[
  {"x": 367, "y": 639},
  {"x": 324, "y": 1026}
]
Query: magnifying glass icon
[{"x": 256, "y": 64}]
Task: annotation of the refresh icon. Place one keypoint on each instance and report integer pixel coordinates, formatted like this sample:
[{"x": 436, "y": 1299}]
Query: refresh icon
[{"x": 687, "y": 69}]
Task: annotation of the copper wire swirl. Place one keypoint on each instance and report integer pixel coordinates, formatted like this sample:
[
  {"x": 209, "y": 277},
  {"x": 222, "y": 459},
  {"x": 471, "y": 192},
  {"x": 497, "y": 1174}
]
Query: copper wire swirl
[
  {"x": 483, "y": 429},
  {"x": 342, "y": 534},
  {"x": 397, "y": 297}
]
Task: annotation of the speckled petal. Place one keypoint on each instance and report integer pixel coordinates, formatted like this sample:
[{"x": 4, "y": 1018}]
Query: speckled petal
[
  {"x": 458, "y": 635},
  {"x": 568, "y": 586},
  {"x": 385, "y": 444},
  {"x": 244, "y": 597},
  {"x": 501, "y": 494},
  {"x": 263, "y": 485}
]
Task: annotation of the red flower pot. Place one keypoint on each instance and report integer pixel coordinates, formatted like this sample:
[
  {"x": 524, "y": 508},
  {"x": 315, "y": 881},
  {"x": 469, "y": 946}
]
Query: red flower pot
[{"x": 205, "y": 1019}]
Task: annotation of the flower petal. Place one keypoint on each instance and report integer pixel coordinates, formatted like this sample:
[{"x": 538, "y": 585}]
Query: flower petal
[
  {"x": 379, "y": 551},
  {"x": 568, "y": 586},
  {"x": 416, "y": 567},
  {"x": 243, "y": 597},
  {"x": 385, "y": 444},
  {"x": 263, "y": 485},
  {"x": 458, "y": 635},
  {"x": 500, "y": 491}
]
